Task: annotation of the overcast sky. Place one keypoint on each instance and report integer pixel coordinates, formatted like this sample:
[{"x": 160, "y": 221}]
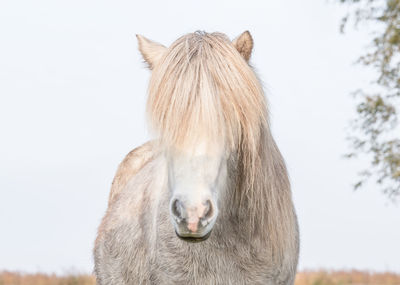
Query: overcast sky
[{"x": 72, "y": 99}]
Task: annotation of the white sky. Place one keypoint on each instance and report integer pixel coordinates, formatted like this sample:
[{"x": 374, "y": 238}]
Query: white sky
[{"x": 72, "y": 100}]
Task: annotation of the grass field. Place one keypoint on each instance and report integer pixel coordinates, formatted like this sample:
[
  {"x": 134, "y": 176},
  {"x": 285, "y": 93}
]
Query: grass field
[{"x": 321, "y": 277}]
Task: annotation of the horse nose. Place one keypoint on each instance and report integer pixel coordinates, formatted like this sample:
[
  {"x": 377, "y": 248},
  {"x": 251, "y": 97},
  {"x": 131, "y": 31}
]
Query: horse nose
[{"x": 193, "y": 217}]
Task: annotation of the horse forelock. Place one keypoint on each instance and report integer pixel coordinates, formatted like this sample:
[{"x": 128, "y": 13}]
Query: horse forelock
[{"x": 203, "y": 90}]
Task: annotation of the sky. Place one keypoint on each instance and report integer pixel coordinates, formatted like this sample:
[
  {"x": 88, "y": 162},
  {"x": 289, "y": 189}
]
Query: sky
[{"x": 72, "y": 105}]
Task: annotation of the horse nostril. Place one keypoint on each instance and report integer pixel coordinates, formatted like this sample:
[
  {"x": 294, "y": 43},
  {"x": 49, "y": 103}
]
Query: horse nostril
[
  {"x": 176, "y": 208},
  {"x": 208, "y": 212}
]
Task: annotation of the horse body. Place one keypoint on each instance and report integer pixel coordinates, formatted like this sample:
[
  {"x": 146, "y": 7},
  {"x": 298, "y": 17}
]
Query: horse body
[{"x": 251, "y": 223}]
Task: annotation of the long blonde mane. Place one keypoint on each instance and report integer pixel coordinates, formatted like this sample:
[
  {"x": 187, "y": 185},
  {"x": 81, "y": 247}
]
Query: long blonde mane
[{"x": 203, "y": 88}]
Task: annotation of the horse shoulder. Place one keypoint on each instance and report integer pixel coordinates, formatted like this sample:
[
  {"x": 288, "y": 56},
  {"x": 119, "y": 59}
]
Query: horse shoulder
[{"x": 132, "y": 163}]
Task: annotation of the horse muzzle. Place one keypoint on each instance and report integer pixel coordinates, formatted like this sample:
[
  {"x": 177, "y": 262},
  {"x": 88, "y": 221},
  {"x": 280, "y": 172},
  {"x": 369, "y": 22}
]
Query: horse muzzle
[{"x": 193, "y": 223}]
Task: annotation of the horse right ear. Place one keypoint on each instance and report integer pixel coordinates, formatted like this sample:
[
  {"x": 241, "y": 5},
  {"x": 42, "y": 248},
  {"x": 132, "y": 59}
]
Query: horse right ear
[
  {"x": 244, "y": 44},
  {"x": 151, "y": 51}
]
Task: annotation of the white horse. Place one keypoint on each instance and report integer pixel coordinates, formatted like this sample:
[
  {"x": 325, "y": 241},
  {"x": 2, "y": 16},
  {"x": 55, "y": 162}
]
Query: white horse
[{"x": 208, "y": 201}]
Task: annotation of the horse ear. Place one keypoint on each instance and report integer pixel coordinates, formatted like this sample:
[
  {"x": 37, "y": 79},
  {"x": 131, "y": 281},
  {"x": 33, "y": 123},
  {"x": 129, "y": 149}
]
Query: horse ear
[
  {"x": 151, "y": 51},
  {"x": 244, "y": 45}
]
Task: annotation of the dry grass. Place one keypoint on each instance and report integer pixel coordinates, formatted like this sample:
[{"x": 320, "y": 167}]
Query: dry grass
[
  {"x": 321, "y": 277},
  {"x": 13, "y": 278},
  {"x": 324, "y": 277}
]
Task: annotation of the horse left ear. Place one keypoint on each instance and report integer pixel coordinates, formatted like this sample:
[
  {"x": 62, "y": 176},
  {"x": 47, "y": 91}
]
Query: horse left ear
[
  {"x": 151, "y": 51},
  {"x": 244, "y": 44}
]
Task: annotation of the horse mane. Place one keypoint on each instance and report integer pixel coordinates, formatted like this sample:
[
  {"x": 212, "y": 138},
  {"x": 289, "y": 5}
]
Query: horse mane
[{"x": 203, "y": 88}]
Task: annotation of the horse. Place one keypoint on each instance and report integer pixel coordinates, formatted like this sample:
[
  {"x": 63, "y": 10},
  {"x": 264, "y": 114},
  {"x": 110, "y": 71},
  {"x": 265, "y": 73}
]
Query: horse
[{"x": 208, "y": 200}]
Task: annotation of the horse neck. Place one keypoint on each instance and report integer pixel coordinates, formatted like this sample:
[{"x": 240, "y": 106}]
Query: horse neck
[{"x": 263, "y": 210}]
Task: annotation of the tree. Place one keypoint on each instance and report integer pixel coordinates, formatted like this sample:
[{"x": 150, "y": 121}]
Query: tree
[{"x": 375, "y": 131}]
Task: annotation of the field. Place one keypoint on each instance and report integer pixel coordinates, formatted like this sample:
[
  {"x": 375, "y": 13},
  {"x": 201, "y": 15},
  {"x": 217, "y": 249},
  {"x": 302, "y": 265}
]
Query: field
[
  {"x": 324, "y": 277},
  {"x": 321, "y": 277}
]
